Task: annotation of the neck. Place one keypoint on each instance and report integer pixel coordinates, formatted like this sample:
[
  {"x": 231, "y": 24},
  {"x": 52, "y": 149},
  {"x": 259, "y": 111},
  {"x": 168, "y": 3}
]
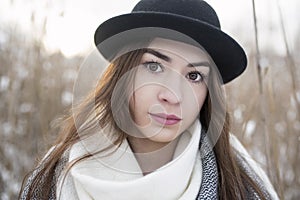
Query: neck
[{"x": 152, "y": 155}]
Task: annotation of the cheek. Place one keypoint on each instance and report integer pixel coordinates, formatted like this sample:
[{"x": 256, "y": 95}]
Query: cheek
[
  {"x": 195, "y": 102},
  {"x": 201, "y": 98},
  {"x": 134, "y": 107},
  {"x": 136, "y": 98},
  {"x": 134, "y": 104},
  {"x": 139, "y": 104}
]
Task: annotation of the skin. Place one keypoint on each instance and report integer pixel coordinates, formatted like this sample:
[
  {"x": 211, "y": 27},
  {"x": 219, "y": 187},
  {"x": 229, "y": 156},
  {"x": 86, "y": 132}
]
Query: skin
[{"x": 169, "y": 91}]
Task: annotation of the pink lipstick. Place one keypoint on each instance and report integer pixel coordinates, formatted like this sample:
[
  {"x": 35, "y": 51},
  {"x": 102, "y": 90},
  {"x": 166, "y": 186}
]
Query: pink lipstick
[{"x": 165, "y": 119}]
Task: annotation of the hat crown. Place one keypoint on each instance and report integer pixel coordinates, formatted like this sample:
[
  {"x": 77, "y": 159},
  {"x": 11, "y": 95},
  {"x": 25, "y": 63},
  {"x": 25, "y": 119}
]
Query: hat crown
[{"x": 194, "y": 9}]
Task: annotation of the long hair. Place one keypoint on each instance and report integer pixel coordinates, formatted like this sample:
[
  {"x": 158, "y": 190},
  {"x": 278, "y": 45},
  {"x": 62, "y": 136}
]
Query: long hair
[{"x": 232, "y": 179}]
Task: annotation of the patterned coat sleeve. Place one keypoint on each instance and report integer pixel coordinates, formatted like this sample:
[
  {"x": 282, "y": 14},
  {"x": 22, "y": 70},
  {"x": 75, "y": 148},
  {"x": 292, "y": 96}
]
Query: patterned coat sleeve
[
  {"x": 249, "y": 165},
  {"x": 38, "y": 194}
]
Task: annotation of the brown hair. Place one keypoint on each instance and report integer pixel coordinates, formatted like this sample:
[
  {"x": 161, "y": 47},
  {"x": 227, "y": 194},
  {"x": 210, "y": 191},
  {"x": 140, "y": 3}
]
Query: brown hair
[
  {"x": 232, "y": 180},
  {"x": 215, "y": 119}
]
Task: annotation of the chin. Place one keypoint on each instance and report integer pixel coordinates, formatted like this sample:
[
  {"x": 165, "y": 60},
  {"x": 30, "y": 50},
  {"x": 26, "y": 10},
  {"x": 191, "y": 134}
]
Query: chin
[
  {"x": 165, "y": 136},
  {"x": 159, "y": 133}
]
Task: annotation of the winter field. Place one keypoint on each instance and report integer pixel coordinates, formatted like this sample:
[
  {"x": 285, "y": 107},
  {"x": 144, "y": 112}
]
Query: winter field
[{"x": 36, "y": 90}]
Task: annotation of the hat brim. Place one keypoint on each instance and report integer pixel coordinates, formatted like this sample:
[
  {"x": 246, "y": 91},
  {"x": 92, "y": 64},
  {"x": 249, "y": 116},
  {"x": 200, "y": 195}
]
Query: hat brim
[{"x": 227, "y": 54}]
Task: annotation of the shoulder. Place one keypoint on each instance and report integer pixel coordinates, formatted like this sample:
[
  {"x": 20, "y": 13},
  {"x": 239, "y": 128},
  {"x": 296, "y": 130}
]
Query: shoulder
[{"x": 240, "y": 149}]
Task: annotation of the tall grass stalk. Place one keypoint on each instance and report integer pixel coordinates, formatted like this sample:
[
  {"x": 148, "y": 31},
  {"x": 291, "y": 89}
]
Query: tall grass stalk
[{"x": 264, "y": 112}]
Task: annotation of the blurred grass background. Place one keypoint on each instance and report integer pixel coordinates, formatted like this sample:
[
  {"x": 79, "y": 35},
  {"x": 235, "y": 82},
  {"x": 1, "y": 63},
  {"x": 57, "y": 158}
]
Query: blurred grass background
[{"x": 36, "y": 88}]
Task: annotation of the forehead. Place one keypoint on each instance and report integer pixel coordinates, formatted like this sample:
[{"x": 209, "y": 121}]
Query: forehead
[{"x": 183, "y": 50}]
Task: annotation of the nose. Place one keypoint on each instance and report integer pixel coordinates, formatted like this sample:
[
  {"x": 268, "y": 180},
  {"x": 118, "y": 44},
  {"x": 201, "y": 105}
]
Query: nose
[{"x": 171, "y": 93}]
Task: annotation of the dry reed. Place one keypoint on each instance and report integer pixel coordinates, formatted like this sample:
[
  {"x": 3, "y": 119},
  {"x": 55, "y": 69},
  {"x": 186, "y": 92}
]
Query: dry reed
[{"x": 35, "y": 89}]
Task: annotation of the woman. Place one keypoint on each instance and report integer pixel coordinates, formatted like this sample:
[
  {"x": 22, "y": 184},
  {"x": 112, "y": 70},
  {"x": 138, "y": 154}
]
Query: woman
[{"x": 156, "y": 125}]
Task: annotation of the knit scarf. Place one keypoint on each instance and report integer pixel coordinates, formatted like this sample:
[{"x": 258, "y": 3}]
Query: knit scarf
[
  {"x": 209, "y": 179},
  {"x": 209, "y": 185},
  {"x": 119, "y": 175},
  {"x": 206, "y": 184}
]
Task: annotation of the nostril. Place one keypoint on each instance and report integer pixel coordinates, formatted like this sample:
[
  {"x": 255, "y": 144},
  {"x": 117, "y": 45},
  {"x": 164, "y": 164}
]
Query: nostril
[{"x": 168, "y": 96}]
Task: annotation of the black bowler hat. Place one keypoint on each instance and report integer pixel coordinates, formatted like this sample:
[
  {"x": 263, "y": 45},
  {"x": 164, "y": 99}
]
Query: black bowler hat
[{"x": 194, "y": 18}]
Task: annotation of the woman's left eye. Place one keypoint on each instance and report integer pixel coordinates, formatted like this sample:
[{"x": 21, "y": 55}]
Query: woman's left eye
[
  {"x": 153, "y": 67},
  {"x": 195, "y": 76}
]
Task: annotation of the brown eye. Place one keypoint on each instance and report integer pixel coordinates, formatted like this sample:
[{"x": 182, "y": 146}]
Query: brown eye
[{"x": 195, "y": 76}]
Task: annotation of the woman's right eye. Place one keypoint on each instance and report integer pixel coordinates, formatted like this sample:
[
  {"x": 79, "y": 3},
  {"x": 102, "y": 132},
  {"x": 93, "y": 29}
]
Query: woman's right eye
[{"x": 153, "y": 67}]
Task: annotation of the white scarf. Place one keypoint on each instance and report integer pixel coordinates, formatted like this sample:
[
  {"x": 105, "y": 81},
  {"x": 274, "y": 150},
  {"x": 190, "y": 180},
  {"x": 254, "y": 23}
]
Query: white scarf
[{"x": 118, "y": 176}]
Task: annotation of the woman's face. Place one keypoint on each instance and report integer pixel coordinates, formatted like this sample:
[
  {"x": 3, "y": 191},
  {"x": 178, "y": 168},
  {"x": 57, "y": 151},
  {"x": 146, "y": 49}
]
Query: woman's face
[{"x": 169, "y": 89}]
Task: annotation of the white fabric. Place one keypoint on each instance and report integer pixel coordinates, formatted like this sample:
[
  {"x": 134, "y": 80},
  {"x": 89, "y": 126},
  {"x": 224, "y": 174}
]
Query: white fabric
[
  {"x": 119, "y": 175},
  {"x": 179, "y": 179}
]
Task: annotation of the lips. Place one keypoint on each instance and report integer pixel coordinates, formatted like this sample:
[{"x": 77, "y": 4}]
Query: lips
[{"x": 165, "y": 119}]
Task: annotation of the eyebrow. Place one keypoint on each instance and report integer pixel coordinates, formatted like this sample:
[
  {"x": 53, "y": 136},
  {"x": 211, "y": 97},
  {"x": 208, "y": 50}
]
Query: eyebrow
[
  {"x": 159, "y": 55},
  {"x": 168, "y": 59}
]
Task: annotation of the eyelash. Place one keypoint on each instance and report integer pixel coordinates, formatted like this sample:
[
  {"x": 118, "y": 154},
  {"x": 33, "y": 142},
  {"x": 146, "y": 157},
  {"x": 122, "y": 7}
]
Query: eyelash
[
  {"x": 146, "y": 65},
  {"x": 202, "y": 75}
]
